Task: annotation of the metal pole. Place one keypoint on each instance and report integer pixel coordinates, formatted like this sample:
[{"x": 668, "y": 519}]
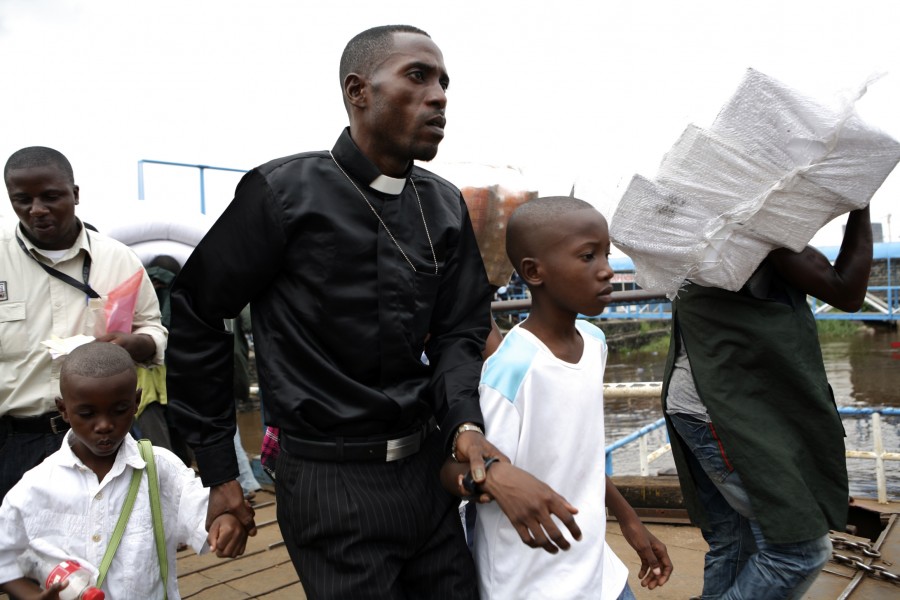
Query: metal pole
[
  {"x": 879, "y": 459},
  {"x": 202, "y": 168},
  {"x": 202, "y": 191},
  {"x": 140, "y": 180},
  {"x": 890, "y": 290},
  {"x": 642, "y": 449}
]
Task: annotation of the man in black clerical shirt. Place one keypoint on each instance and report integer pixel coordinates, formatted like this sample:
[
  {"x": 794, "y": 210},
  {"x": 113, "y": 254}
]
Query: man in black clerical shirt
[{"x": 355, "y": 262}]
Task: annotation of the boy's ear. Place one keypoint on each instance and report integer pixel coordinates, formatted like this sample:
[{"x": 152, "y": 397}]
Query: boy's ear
[
  {"x": 61, "y": 407},
  {"x": 530, "y": 271},
  {"x": 137, "y": 399}
]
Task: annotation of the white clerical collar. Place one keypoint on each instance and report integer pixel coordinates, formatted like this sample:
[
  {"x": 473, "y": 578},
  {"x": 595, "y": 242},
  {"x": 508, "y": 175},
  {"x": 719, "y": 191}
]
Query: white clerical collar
[{"x": 388, "y": 185}]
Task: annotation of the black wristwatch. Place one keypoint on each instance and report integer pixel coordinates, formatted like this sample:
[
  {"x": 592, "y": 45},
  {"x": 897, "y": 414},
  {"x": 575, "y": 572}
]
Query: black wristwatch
[{"x": 469, "y": 482}]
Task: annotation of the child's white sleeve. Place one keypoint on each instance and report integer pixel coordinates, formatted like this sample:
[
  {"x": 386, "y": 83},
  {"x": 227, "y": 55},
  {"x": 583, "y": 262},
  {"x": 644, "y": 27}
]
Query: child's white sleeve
[
  {"x": 13, "y": 538},
  {"x": 502, "y": 421},
  {"x": 185, "y": 496}
]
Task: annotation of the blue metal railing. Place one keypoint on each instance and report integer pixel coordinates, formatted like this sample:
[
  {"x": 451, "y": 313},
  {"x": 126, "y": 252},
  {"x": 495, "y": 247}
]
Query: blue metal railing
[
  {"x": 631, "y": 437},
  {"x": 657, "y": 307},
  {"x": 877, "y": 454},
  {"x": 884, "y": 310},
  {"x": 201, "y": 168},
  {"x": 648, "y": 310}
]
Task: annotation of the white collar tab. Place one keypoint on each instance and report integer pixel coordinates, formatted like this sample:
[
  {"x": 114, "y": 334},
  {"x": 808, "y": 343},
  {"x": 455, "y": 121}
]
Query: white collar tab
[{"x": 388, "y": 185}]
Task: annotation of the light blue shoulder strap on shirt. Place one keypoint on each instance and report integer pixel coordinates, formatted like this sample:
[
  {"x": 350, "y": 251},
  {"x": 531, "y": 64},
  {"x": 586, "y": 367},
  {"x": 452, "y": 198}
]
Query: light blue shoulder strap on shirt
[
  {"x": 590, "y": 329},
  {"x": 507, "y": 368},
  {"x": 146, "y": 449}
]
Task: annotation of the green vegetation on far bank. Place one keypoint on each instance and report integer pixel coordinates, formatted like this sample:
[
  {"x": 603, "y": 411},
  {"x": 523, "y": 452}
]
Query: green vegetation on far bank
[
  {"x": 658, "y": 344},
  {"x": 652, "y": 337},
  {"x": 627, "y": 337},
  {"x": 838, "y": 327}
]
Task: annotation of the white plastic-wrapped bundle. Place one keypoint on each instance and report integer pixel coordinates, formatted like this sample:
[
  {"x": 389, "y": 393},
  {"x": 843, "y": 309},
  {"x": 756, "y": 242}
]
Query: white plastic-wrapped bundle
[
  {"x": 653, "y": 227},
  {"x": 833, "y": 149},
  {"x": 773, "y": 169}
]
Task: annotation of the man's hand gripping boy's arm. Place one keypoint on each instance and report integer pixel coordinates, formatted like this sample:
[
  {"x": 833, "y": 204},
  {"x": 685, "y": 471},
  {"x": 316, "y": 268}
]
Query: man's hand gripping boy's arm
[{"x": 527, "y": 502}]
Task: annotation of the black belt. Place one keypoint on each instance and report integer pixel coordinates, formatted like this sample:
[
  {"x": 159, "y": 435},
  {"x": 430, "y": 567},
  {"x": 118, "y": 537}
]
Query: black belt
[
  {"x": 342, "y": 449},
  {"x": 51, "y": 422}
]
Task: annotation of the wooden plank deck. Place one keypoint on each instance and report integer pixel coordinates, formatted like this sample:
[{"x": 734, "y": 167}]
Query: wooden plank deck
[
  {"x": 266, "y": 572},
  {"x": 263, "y": 571}
]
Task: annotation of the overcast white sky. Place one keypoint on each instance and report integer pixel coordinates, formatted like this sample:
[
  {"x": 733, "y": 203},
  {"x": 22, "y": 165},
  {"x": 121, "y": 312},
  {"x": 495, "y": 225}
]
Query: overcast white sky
[{"x": 567, "y": 92}]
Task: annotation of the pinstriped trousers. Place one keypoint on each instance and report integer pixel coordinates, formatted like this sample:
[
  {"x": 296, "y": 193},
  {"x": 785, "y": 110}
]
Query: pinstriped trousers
[{"x": 374, "y": 530}]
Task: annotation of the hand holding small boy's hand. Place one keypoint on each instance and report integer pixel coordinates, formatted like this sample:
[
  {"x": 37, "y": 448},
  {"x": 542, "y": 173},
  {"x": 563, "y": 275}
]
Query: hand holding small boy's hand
[
  {"x": 227, "y": 537},
  {"x": 655, "y": 563},
  {"x": 529, "y": 503},
  {"x": 228, "y": 497}
]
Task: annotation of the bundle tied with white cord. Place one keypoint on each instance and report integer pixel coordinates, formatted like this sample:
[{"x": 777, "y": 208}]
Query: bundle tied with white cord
[{"x": 772, "y": 170}]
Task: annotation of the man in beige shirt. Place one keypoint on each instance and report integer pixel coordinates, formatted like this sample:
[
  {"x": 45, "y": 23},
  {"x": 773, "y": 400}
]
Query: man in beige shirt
[{"x": 55, "y": 277}]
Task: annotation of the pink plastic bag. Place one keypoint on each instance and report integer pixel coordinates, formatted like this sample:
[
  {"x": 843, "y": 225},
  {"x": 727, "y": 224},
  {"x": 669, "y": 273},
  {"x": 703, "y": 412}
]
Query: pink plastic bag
[{"x": 120, "y": 303}]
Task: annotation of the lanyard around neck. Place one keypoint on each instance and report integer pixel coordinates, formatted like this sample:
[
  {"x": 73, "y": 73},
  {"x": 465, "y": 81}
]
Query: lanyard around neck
[{"x": 85, "y": 271}]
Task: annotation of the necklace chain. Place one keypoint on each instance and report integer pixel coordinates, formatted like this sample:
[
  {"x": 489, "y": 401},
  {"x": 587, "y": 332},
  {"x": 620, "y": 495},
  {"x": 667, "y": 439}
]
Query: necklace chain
[{"x": 380, "y": 220}]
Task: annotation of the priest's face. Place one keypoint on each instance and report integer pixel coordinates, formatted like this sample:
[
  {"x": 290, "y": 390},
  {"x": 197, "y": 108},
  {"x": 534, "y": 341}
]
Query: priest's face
[{"x": 406, "y": 98}]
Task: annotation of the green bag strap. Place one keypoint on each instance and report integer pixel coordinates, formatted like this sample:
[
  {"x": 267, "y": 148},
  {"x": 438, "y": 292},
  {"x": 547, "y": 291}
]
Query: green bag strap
[
  {"x": 120, "y": 527},
  {"x": 146, "y": 449}
]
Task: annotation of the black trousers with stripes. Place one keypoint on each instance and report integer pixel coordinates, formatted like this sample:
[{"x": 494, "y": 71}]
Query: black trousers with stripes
[{"x": 379, "y": 530}]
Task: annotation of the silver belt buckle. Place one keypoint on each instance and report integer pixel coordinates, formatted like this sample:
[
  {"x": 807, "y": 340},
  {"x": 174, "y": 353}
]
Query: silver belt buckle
[
  {"x": 54, "y": 421},
  {"x": 403, "y": 447}
]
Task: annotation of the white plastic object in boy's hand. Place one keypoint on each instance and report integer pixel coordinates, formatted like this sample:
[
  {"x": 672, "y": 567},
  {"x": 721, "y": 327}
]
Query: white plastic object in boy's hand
[{"x": 45, "y": 570}]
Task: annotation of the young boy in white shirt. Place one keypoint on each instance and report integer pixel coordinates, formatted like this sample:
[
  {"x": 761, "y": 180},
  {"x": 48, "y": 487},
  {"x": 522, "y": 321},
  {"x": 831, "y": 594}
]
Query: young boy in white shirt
[
  {"x": 69, "y": 504},
  {"x": 542, "y": 399}
]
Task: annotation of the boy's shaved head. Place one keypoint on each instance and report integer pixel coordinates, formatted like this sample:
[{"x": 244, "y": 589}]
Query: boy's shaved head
[
  {"x": 96, "y": 360},
  {"x": 527, "y": 224},
  {"x": 98, "y": 389}
]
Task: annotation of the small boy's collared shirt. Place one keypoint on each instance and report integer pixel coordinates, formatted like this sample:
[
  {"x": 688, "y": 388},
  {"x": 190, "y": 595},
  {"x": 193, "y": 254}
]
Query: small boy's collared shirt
[{"x": 61, "y": 510}]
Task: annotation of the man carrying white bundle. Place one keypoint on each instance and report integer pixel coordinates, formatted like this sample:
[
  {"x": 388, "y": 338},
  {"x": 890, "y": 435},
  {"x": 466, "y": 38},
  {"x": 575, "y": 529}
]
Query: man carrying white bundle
[{"x": 755, "y": 432}]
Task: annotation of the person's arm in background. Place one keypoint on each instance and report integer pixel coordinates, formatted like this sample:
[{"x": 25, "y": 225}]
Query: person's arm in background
[
  {"x": 656, "y": 566},
  {"x": 493, "y": 339},
  {"x": 842, "y": 285},
  {"x": 140, "y": 346},
  {"x": 238, "y": 257},
  {"x": 146, "y": 342}
]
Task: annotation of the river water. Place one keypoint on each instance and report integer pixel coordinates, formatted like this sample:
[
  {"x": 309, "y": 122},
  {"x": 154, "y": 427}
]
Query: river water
[{"x": 863, "y": 369}]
